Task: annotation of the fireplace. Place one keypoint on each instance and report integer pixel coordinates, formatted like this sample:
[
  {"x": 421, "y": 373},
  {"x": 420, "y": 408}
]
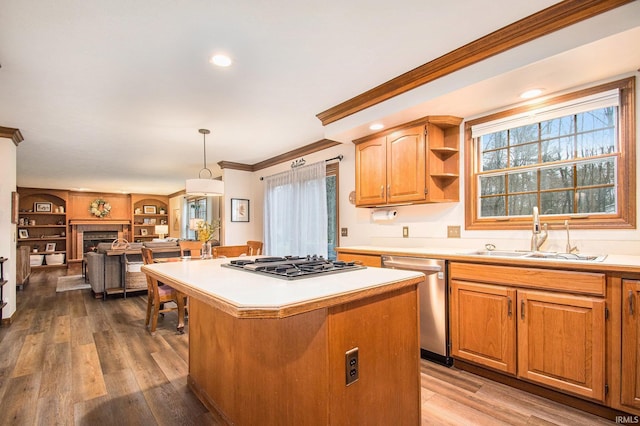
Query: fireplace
[
  {"x": 86, "y": 234},
  {"x": 91, "y": 239}
]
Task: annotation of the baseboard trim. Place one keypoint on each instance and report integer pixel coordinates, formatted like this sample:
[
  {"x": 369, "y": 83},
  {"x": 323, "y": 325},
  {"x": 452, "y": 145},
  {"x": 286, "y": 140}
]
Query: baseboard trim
[
  {"x": 6, "y": 322},
  {"x": 562, "y": 398}
]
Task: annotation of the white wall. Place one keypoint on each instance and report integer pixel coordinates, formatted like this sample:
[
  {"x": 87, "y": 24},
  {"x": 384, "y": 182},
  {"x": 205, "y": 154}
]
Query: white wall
[
  {"x": 7, "y": 229},
  {"x": 428, "y": 222},
  {"x": 241, "y": 184}
]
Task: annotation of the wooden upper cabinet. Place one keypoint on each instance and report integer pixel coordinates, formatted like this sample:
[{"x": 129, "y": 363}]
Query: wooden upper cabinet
[
  {"x": 371, "y": 177},
  {"x": 561, "y": 342},
  {"x": 630, "y": 394},
  {"x": 414, "y": 163},
  {"x": 406, "y": 166}
]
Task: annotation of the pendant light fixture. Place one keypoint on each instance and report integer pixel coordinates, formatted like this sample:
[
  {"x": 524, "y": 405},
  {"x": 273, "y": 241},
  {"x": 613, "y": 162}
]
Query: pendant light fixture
[{"x": 207, "y": 187}]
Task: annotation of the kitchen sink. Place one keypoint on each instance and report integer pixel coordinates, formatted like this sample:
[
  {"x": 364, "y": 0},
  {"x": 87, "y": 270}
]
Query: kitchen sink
[
  {"x": 539, "y": 255},
  {"x": 568, "y": 256},
  {"x": 500, "y": 253}
]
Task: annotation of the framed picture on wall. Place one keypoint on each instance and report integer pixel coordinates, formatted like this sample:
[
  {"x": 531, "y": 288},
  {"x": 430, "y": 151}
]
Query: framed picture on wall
[
  {"x": 149, "y": 209},
  {"x": 239, "y": 210},
  {"x": 42, "y": 207}
]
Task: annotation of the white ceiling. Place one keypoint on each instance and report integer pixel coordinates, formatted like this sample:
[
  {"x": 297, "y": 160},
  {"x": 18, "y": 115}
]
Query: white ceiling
[{"x": 109, "y": 95}]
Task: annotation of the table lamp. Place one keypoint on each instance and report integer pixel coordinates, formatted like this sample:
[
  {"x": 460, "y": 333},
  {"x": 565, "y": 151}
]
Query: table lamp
[{"x": 162, "y": 230}]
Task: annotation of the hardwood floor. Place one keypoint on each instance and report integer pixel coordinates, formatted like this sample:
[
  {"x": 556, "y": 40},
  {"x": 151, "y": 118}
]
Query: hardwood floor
[{"x": 71, "y": 359}]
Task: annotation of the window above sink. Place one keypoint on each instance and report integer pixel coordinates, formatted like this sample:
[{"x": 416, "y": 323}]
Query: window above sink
[{"x": 574, "y": 160}]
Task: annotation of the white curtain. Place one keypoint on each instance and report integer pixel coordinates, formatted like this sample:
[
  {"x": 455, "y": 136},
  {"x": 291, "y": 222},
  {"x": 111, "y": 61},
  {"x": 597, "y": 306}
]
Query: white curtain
[{"x": 295, "y": 212}]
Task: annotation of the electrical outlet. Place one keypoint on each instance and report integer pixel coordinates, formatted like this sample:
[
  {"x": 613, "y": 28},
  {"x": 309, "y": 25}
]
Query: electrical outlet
[
  {"x": 351, "y": 366},
  {"x": 405, "y": 232},
  {"x": 344, "y": 232},
  {"x": 453, "y": 231}
]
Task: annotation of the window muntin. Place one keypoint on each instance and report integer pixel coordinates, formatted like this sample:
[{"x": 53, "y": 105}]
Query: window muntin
[
  {"x": 579, "y": 165},
  {"x": 569, "y": 187}
]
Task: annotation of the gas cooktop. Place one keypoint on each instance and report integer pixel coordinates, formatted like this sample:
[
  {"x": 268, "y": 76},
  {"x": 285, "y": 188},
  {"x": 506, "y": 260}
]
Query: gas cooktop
[{"x": 292, "y": 267}]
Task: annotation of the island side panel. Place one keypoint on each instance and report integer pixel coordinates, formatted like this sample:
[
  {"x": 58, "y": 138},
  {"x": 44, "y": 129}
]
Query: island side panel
[
  {"x": 385, "y": 330},
  {"x": 260, "y": 371}
]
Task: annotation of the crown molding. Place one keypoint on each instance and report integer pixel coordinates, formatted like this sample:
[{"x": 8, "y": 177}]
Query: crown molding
[
  {"x": 539, "y": 24},
  {"x": 290, "y": 155},
  {"x": 235, "y": 166},
  {"x": 13, "y": 134}
]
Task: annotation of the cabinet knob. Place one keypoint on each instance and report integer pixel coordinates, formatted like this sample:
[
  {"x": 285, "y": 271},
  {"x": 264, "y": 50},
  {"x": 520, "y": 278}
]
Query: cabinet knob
[
  {"x": 631, "y": 307},
  {"x": 522, "y": 309}
]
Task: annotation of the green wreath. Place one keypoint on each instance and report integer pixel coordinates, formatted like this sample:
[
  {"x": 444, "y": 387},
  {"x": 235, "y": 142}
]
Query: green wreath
[{"x": 99, "y": 208}]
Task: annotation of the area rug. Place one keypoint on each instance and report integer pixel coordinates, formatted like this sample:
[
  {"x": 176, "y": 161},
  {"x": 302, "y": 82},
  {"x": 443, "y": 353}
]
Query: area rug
[{"x": 71, "y": 282}]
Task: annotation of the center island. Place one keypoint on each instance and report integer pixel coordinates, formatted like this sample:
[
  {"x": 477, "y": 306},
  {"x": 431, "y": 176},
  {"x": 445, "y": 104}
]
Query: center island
[{"x": 268, "y": 351}]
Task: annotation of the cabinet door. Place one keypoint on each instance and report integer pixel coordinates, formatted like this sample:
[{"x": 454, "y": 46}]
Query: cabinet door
[
  {"x": 561, "y": 342},
  {"x": 406, "y": 165},
  {"x": 483, "y": 324},
  {"x": 371, "y": 172},
  {"x": 630, "y": 343}
]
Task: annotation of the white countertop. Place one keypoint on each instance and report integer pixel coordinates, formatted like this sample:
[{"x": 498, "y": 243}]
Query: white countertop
[
  {"x": 244, "y": 290},
  {"x": 612, "y": 262}
]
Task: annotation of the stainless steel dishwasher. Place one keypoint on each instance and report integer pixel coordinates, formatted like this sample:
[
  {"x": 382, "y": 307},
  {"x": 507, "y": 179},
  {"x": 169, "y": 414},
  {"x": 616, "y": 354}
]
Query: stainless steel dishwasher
[{"x": 433, "y": 295}]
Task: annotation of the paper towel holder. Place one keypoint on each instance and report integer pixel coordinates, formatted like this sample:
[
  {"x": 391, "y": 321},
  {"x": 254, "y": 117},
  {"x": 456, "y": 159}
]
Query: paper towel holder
[{"x": 384, "y": 215}]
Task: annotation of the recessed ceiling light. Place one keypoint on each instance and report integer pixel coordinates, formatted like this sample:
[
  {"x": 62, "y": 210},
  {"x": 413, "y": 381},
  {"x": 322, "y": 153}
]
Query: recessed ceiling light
[
  {"x": 221, "y": 60},
  {"x": 531, "y": 93},
  {"x": 376, "y": 126}
]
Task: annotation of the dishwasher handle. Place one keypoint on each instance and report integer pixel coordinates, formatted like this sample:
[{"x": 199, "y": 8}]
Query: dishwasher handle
[{"x": 411, "y": 266}]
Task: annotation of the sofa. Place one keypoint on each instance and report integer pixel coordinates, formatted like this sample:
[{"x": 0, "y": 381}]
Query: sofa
[{"x": 105, "y": 272}]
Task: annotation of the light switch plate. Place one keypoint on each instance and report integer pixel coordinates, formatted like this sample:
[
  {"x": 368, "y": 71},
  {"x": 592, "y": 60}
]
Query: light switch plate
[
  {"x": 344, "y": 232},
  {"x": 405, "y": 232}
]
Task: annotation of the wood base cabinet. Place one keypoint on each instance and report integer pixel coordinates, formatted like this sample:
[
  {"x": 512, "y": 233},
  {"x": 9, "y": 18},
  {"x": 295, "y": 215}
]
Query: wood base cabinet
[
  {"x": 555, "y": 339},
  {"x": 362, "y": 259},
  {"x": 561, "y": 342},
  {"x": 630, "y": 344},
  {"x": 483, "y": 326},
  {"x": 293, "y": 370}
]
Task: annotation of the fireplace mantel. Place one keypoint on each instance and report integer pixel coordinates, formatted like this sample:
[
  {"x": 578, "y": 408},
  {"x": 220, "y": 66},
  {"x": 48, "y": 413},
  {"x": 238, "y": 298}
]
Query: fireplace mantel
[{"x": 98, "y": 222}]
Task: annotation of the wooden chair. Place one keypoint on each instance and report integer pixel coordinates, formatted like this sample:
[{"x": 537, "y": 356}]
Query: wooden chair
[
  {"x": 230, "y": 251},
  {"x": 158, "y": 295},
  {"x": 255, "y": 248},
  {"x": 193, "y": 247}
]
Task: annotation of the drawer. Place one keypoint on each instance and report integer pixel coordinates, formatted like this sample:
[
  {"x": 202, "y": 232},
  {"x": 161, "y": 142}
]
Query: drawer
[
  {"x": 592, "y": 283},
  {"x": 363, "y": 259}
]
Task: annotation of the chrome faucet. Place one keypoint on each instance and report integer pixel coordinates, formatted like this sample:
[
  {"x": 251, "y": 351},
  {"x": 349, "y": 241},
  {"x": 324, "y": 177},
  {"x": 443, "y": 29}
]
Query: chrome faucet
[
  {"x": 538, "y": 237},
  {"x": 570, "y": 249}
]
